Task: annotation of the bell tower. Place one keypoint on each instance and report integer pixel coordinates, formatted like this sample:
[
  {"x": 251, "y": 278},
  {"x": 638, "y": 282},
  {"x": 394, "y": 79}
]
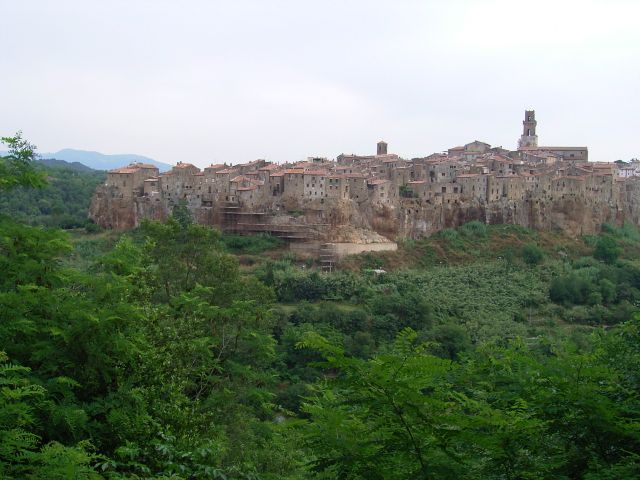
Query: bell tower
[
  {"x": 528, "y": 138},
  {"x": 381, "y": 148}
]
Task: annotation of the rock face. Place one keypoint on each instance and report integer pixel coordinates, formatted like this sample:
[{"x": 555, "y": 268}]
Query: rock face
[
  {"x": 574, "y": 216},
  {"x": 110, "y": 210},
  {"x": 347, "y": 221}
]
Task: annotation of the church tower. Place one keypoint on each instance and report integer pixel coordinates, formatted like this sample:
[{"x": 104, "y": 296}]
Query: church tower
[
  {"x": 529, "y": 137},
  {"x": 381, "y": 148}
]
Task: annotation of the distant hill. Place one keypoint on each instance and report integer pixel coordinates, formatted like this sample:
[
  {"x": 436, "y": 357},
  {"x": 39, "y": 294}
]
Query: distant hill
[
  {"x": 63, "y": 202},
  {"x": 52, "y": 162},
  {"x": 100, "y": 161}
]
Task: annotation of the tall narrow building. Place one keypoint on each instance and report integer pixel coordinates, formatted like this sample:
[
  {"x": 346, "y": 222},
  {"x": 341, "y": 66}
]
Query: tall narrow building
[{"x": 528, "y": 139}]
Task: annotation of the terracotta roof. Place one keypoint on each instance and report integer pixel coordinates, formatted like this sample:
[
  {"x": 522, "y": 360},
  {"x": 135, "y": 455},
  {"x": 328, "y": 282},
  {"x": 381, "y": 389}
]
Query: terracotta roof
[
  {"x": 417, "y": 182},
  {"x": 244, "y": 189},
  {"x": 240, "y": 178},
  {"x": 217, "y": 166},
  {"x": 355, "y": 175},
  {"x": 581, "y": 178},
  {"x": 277, "y": 174},
  {"x": 377, "y": 181},
  {"x": 144, "y": 165},
  {"x": 297, "y": 171}
]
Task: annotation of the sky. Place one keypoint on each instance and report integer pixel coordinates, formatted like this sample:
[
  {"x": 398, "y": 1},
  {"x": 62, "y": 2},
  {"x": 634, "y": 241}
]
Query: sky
[{"x": 232, "y": 81}]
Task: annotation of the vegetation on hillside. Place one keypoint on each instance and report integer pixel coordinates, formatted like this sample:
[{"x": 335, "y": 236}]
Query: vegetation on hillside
[
  {"x": 484, "y": 352},
  {"x": 63, "y": 203}
]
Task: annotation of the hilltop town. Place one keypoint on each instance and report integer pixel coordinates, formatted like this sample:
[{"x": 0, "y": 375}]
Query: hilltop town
[{"x": 381, "y": 197}]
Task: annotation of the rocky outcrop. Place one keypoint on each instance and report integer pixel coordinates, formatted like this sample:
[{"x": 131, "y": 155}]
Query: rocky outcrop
[
  {"x": 347, "y": 222},
  {"x": 574, "y": 216}
]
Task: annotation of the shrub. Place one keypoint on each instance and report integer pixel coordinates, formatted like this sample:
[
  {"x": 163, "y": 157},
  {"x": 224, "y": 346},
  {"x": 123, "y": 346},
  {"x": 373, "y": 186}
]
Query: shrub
[
  {"x": 448, "y": 234},
  {"x": 91, "y": 227},
  {"x": 532, "y": 254},
  {"x": 606, "y": 250},
  {"x": 253, "y": 244},
  {"x": 474, "y": 229}
]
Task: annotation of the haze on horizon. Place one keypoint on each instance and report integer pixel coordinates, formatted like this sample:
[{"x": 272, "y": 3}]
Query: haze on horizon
[{"x": 213, "y": 81}]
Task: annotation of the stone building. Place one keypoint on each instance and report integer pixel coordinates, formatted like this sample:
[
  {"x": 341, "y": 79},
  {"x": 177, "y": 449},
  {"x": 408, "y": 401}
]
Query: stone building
[{"x": 535, "y": 186}]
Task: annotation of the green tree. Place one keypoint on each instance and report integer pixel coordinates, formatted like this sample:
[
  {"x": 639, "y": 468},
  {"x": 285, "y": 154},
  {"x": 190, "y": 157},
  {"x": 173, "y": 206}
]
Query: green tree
[
  {"x": 400, "y": 415},
  {"x": 17, "y": 169},
  {"x": 606, "y": 249}
]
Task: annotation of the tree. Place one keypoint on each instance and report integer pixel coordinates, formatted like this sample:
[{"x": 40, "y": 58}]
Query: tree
[
  {"x": 17, "y": 168},
  {"x": 607, "y": 249},
  {"x": 401, "y": 415}
]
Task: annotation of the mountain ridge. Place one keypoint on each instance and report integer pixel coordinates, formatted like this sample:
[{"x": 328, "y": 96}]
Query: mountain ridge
[
  {"x": 101, "y": 161},
  {"x": 54, "y": 162}
]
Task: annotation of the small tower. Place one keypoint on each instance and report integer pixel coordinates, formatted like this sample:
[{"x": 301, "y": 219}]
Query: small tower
[
  {"x": 382, "y": 148},
  {"x": 529, "y": 137}
]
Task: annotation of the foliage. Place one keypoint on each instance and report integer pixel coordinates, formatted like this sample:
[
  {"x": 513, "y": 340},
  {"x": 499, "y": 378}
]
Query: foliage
[
  {"x": 474, "y": 229},
  {"x": 406, "y": 192},
  {"x": 153, "y": 355},
  {"x": 532, "y": 254},
  {"x": 505, "y": 413},
  {"x": 606, "y": 249},
  {"x": 63, "y": 202},
  {"x": 17, "y": 168},
  {"x": 253, "y": 244}
]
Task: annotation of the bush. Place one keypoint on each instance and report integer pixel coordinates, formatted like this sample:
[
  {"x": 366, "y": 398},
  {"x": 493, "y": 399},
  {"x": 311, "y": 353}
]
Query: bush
[
  {"x": 606, "y": 250},
  {"x": 91, "y": 227},
  {"x": 448, "y": 234},
  {"x": 532, "y": 254},
  {"x": 474, "y": 229},
  {"x": 253, "y": 244},
  {"x": 451, "y": 339}
]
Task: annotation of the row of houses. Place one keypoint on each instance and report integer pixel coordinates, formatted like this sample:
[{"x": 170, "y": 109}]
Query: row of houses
[{"x": 473, "y": 172}]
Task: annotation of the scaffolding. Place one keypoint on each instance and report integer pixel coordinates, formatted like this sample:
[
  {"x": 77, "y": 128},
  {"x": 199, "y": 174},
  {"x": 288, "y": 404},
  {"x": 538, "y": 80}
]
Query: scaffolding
[
  {"x": 327, "y": 257},
  {"x": 250, "y": 223}
]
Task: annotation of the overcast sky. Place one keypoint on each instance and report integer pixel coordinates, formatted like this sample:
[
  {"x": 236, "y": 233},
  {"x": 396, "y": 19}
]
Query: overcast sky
[{"x": 215, "y": 81}]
